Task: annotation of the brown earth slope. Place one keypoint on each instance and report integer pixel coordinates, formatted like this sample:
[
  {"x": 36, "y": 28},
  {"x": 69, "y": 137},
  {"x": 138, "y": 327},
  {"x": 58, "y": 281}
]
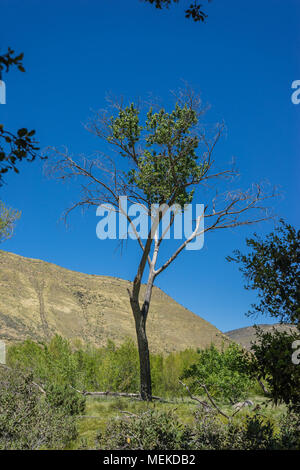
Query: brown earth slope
[
  {"x": 244, "y": 336},
  {"x": 39, "y": 299}
]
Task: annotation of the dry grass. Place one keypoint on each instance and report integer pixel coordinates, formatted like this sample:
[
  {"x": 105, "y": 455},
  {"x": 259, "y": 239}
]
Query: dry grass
[{"x": 39, "y": 299}]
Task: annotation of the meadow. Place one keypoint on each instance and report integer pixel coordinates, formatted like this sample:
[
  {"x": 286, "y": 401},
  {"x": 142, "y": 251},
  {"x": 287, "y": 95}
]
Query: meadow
[{"x": 204, "y": 399}]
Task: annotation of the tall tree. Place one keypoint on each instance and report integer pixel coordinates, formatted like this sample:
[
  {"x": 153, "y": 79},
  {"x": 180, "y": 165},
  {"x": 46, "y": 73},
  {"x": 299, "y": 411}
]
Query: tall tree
[{"x": 168, "y": 158}]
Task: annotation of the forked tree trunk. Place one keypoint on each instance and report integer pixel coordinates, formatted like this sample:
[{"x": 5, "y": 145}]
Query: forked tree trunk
[
  {"x": 140, "y": 318},
  {"x": 144, "y": 356}
]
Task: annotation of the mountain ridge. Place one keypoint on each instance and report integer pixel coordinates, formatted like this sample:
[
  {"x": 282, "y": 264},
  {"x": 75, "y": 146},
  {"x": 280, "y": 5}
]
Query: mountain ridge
[
  {"x": 39, "y": 299},
  {"x": 244, "y": 336}
]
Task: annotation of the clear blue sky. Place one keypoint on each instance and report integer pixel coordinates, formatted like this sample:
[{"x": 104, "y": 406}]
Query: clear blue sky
[{"x": 243, "y": 60}]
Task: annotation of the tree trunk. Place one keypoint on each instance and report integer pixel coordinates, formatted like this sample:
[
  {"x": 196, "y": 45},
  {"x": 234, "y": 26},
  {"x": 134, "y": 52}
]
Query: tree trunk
[{"x": 144, "y": 356}]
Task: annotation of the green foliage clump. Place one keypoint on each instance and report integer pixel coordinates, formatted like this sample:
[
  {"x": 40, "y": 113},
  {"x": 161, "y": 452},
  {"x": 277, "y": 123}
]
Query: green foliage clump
[
  {"x": 53, "y": 362},
  {"x": 152, "y": 430},
  {"x": 169, "y": 164},
  {"x": 119, "y": 367},
  {"x": 109, "y": 368},
  {"x": 64, "y": 397},
  {"x": 209, "y": 431},
  {"x": 273, "y": 269},
  {"x": 166, "y": 370},
  {"x": 8, "y": 218},
  {"x": 272, "y": 361},
  {"x": 224, "y": 373},
  {"x": 290, "y": 431},
  {"x": 162, "y": 430},
  {"x": 27, "y": 421},
  {"x": 250, "y": 432}
]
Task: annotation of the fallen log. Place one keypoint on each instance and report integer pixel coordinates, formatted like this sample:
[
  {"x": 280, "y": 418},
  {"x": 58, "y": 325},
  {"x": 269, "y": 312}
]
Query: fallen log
[{"x": 113, "y": 394}]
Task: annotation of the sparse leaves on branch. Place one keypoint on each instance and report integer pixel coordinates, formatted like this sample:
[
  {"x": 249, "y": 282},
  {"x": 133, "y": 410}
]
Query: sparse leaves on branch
[
  {"x": 15, "y": 147},
  {"x": 194, "y": 11},
  {"x": 8, "y": 219},
  {"x": 8, "y": 60}
]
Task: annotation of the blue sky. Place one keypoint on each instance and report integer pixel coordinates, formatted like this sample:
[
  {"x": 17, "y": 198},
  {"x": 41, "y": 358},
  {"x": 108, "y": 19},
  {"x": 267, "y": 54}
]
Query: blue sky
[{"x": 242, "y": 60}]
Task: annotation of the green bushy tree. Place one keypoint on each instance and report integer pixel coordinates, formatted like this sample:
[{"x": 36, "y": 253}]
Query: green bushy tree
[
  {"x": 272, "y": 361},
  {"x": 272, "y": 269},
  {"x": 222, "y": 372}
]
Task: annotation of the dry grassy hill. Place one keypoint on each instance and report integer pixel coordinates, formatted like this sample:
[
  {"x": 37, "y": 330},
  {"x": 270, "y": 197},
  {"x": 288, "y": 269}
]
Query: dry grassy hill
[
  {"x": 244, "y": 336},
  {"x": 39, "y": 299}
]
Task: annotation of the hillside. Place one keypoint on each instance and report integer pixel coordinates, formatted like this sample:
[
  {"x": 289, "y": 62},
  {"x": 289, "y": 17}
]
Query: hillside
[
  {"x": 244, "y": 336},
  {"x": 39, "y": 299}
]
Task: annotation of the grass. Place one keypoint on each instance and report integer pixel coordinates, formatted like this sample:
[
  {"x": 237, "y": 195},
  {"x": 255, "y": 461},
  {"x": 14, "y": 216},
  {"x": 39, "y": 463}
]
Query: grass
[{"x": 100, "y": 410}]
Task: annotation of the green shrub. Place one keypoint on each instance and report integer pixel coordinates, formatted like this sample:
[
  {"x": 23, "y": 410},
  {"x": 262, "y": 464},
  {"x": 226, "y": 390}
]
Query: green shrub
[
  {"x": 252, "y": 432},
  {"x": 257, "y": 433},
  {"x": 64, "y": 397},
  {"x": 166, "y": 370},
  {"x": 209, "y": 431},
  {"x": 223, "y": 372},
  {"x": 290, "y": 431},
  {"x": 27, "y": 421},
  {"x": 108, "y": 368},
  {"x": 53, "y": 362},
  {"x": 272, "y": 361},
  {"x": 161, "y": 430},
  {"x": 152, "y": 430}
]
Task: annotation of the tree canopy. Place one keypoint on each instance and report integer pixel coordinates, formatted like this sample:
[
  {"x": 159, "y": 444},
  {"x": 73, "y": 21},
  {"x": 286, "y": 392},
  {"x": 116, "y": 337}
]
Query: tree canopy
[{"x": 273, "y": 269}]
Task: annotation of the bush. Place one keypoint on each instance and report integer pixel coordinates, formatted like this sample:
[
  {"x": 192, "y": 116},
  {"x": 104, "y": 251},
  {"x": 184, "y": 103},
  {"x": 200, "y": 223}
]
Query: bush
[
  {"x": 223, "y": 372},
  {"x": 161, "y": 430},
  {"x": 272, "y": 361},
  {"x": 256, "y": 433},
  {"x": 290, "y": 431},
  {"x": 27, "y": 421},
  {"x": 64, "y": 397},
  {"x": 166, "y": 370},
  {"x": 53, "y": 362},
  {"x": 252, "y": 432},
  {"x": 209, "y": 431},
  {"x": 152, "y": 430},
  {"x": 108, "y": 368}
]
